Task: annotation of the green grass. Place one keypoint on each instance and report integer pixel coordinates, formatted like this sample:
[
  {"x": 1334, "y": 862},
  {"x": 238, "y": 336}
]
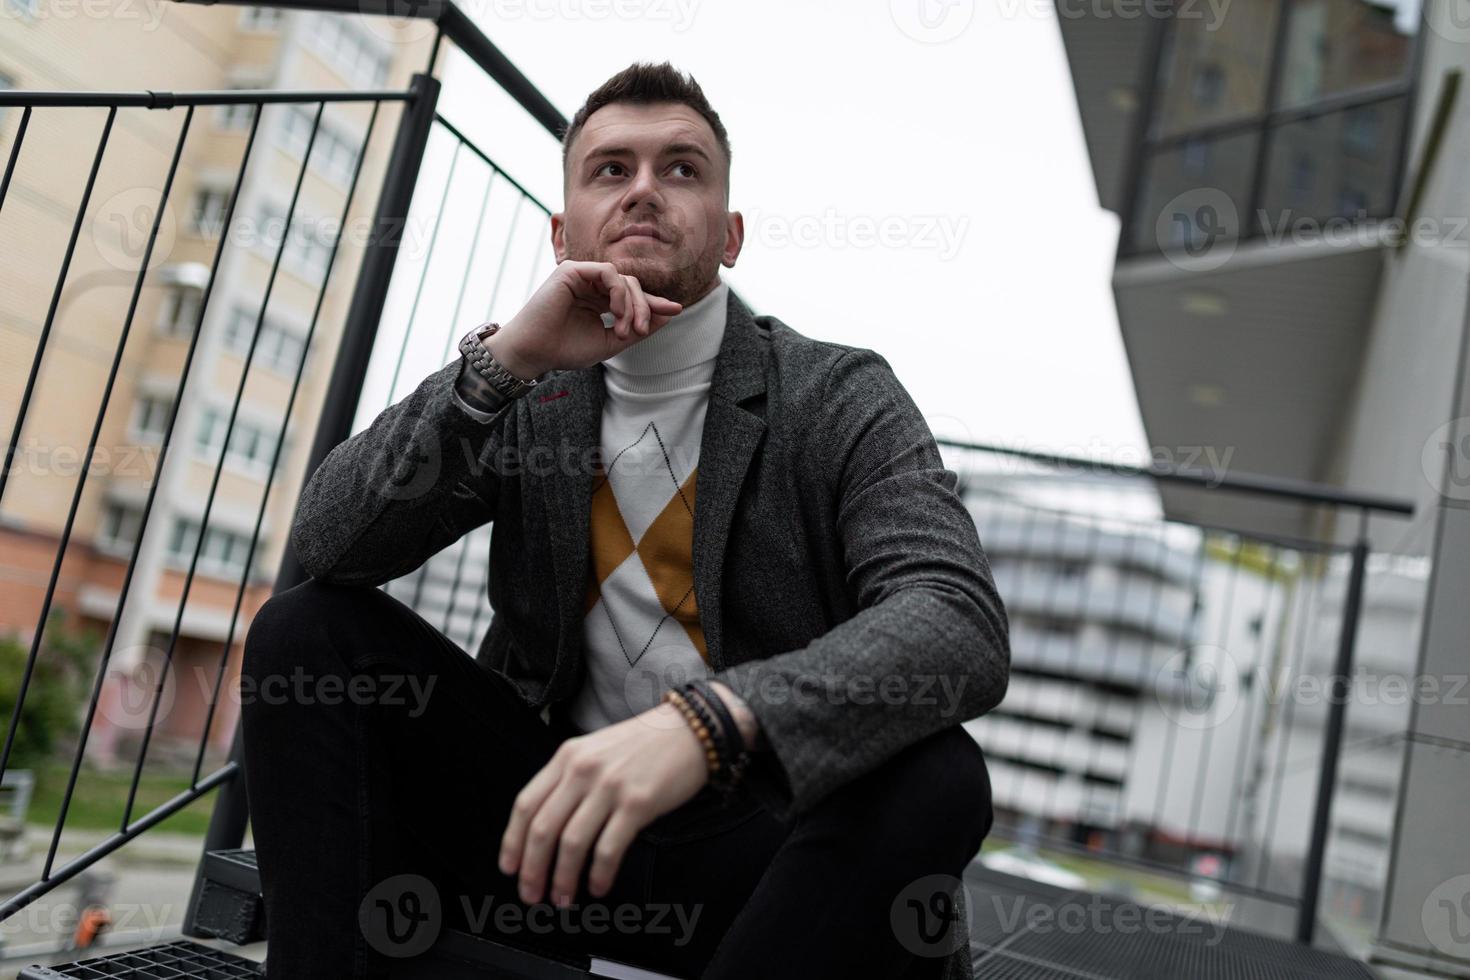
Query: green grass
[
  {"x": 1151, "y": 888},
  {"x": 98, "y": 801}
]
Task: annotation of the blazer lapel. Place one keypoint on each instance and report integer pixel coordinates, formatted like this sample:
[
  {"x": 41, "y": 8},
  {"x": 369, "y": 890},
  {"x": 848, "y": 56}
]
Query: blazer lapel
[
  {"x": 727, "y": 444},
  {"x": 569, "y": 428}
]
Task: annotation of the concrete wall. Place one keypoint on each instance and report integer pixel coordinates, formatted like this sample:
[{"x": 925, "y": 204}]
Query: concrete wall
[{"x": 1399, "y": 438}]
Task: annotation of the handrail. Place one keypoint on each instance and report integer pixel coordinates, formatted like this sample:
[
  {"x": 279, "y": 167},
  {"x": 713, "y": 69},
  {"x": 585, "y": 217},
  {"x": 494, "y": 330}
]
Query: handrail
[
  {"x": 149, "y": 99},
  {"x": 1254, "y": 483},
  {"x": 454, "y": 24}
]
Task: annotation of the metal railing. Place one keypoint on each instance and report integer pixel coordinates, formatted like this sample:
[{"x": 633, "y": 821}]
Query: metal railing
[
  {"x": 418, "y": 126},
  {"x": 1144, "y": 722}
]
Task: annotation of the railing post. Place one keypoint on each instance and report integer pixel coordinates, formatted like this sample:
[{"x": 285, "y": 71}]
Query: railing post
[
  {"x": 1306, "y": 922},
  {"x": 231, "y": 808}
]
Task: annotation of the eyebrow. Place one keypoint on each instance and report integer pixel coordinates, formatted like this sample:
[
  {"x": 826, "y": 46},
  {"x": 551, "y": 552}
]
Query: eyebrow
[{"x": 668, "y": 150}]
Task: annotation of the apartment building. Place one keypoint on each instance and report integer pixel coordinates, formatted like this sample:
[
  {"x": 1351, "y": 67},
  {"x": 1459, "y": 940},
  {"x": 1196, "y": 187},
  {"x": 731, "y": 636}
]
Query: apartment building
[
  {"x": 1132, "y": 721},
  {"x": 211, "y": 484}
]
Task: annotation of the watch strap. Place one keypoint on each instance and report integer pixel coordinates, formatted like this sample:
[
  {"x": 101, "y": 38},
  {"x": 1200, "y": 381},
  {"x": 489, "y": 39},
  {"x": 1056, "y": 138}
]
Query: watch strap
[{"x": 484, "y": 365}]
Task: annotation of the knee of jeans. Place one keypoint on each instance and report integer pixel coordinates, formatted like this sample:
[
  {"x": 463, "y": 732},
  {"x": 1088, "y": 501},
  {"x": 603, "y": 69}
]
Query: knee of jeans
[
  {"x": 943, "y": 781},
  {"x": 289, "y": 625}
]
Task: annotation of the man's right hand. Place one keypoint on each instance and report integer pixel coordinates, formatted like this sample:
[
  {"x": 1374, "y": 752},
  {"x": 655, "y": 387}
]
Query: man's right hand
[{"x": 560, "y": 327}]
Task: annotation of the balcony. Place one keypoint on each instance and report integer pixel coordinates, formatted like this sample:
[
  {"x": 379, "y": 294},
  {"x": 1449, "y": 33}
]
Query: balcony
[
  {"x": 1258, "y": 162},
  {"x": 1134, "y": 744}
]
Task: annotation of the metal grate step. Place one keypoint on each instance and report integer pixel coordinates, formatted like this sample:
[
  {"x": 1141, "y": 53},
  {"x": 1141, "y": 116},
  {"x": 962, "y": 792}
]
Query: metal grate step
[
  {"x": 1023, "y": 930},
  {"x": 183, "y": 960},
  {"x": 229, "y": 905}
]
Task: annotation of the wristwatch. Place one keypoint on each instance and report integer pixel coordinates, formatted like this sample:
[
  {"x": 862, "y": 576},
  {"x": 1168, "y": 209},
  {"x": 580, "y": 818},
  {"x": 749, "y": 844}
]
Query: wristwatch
[{"x": 479, "y": 360}]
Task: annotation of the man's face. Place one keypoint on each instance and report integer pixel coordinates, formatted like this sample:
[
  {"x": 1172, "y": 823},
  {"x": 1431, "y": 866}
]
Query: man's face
[{"x": 646, "y": 191}]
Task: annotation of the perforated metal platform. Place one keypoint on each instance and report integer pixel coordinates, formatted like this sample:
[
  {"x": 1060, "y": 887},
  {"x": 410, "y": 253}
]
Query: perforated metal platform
[
  {"x": 182, "y": 960},
  {"x": 1022, "y": 930}
]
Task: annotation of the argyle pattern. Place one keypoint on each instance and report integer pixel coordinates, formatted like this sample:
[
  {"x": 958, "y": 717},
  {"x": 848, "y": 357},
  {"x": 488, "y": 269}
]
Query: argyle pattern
[{"x": 641, "y": 543}]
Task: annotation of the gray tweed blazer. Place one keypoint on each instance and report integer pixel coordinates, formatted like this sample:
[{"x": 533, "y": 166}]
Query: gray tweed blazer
[{"x": 831, "y": 550}]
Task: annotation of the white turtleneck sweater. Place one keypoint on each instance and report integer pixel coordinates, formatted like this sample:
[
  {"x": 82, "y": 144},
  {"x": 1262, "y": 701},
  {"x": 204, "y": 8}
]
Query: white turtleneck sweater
[{"x": 641, "y": 631}]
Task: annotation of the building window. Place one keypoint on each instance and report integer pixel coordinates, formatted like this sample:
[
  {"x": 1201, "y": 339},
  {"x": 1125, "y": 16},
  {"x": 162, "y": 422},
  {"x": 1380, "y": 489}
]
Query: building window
[
  {"x": 251, "y": 447},
  {"x": 1342, "y": 72},
  {"x": 278, "y": 348},
  {"x": 357, "y": 55},
  {"x": 263, "y": 19},
  {"x": 308, "y": 248},
  {"x": 1303, "y": 179},
  {"x": 119, "y": 530},
  {"x": 208, "y": 209},
  {"x": 1194, "y": 157},
  {"x": 234, "y": 115},
  {"x": 223, "y": 552},
  {"x": 1360, "y": 133},
  {"x": 150, "y": 417},
  {"x": 1334, "y": 47},
  {"x": 1352, "y": 202},
  {"x": 1209, "y": 86},
  {"x": 334, "y": 154},
  {"x": 179, "y": 312}
]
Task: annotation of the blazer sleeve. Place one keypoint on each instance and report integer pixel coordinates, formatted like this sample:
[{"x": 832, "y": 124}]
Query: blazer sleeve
[
  {"x": 409, "y": 485},
  {"x": 929, "y": 647}
]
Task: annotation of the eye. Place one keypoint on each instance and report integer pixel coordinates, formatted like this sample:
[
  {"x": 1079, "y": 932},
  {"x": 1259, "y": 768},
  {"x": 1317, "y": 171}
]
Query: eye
[
  {"x": 600, "y": 169},
  {"x": 693, "y": 171}
]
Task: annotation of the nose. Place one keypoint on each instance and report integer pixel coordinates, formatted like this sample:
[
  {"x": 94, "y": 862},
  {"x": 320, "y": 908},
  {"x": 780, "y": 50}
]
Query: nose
[{"x": 643, "y": 189}]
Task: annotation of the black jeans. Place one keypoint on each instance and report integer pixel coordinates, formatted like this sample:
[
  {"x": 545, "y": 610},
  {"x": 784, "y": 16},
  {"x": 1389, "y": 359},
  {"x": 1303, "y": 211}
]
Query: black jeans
[{"x": 381, "y": 763}]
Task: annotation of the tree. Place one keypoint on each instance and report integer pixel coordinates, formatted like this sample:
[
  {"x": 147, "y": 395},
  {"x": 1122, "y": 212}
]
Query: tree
[{"x": 57, "y": 688}]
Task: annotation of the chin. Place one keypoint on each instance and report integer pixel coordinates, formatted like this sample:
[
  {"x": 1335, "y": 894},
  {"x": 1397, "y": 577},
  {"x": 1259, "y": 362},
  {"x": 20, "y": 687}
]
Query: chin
[
  {"x": 678, "y": 278},
  {"x": 651, "y": 271}
]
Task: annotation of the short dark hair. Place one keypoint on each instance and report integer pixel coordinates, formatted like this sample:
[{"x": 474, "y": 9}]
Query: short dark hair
[{"x": 645, "y": 83}]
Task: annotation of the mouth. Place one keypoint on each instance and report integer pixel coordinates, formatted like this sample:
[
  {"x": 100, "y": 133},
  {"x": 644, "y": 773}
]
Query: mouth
[{"x": 639, "y": 233}]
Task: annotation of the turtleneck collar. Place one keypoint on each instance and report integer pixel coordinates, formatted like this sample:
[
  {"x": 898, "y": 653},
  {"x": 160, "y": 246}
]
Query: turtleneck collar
[{"x": 679, "y": 354}]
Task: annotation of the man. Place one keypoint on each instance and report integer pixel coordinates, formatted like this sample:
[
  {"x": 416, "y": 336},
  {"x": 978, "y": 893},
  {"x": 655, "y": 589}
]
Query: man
[{"x": 680, "y": 492}]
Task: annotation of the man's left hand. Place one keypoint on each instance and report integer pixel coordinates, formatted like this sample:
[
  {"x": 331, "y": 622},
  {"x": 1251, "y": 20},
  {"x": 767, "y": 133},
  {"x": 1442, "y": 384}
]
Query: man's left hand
[{"x": 597, "y": 792}]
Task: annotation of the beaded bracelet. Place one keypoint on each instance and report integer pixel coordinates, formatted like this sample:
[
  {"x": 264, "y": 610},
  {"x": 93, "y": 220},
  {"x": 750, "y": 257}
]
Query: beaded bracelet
[
  {"x": 734, "y": 757},
  {"x": 701, "y": 730},
  {"x": 711, "y": 724},
  {"x": 706, "y": 690}
]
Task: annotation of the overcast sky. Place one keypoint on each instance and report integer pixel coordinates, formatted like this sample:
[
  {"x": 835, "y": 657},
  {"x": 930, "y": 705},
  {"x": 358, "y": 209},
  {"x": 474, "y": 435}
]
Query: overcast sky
[{"x": 917, "y": 186}]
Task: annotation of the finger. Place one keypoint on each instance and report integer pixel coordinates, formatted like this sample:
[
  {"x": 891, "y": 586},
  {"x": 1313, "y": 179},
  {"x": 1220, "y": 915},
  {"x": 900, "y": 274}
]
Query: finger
[
  {"x": 527, "y": 802},
  {"x": 624, "y": 323},
  {"x": 607, "y": 855},
  {"x": 543, "y": 834},
  {"x": 641, "y": 315},
  {"x": 577, "y": 838},
  {"x": 605, "y": 286}
]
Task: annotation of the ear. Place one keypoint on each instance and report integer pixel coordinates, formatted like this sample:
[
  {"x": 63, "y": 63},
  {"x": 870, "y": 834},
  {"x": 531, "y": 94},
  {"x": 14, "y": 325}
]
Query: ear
[
  {"x": 734, "y": 238},
  {"x": 558, "y": 236}
]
